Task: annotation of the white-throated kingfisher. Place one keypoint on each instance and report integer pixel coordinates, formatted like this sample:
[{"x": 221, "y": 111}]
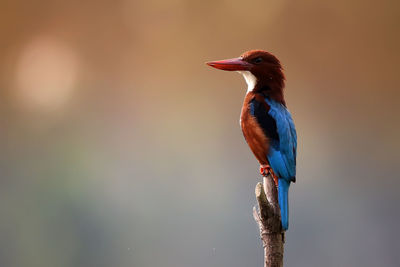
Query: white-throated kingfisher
[{"x": 265, "y": 121}]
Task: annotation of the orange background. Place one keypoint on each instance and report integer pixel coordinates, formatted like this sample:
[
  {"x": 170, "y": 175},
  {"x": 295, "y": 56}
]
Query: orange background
[{"x": 120, "y": 147}]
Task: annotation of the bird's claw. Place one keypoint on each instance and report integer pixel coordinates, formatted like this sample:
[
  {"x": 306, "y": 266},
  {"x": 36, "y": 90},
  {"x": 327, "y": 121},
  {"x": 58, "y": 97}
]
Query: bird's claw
[{"x": 265, "y": 170}]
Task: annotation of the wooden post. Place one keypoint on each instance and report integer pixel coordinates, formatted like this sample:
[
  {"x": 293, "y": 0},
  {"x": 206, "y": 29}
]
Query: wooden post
[{"x": 269, "y": 222}]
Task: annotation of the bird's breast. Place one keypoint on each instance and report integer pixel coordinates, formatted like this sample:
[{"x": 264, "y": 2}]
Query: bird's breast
[{"x": 253, "y": 133}]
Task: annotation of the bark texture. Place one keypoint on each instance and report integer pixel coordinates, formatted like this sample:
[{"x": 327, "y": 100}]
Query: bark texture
[{"x": 269, "y": 221}]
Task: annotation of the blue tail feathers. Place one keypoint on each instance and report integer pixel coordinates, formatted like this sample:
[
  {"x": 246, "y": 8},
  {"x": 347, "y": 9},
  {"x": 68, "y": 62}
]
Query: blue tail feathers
[{"x": 283, "y": 197}]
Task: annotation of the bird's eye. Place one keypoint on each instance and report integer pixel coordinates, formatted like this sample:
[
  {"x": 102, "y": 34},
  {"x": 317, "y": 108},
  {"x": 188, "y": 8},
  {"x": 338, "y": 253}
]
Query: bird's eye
[{"x": 257, "y": 60}]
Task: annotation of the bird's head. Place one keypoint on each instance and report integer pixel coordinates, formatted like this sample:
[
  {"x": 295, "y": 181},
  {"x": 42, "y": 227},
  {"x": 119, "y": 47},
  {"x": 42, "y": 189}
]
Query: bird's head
[{"x": 261, "y": 70}]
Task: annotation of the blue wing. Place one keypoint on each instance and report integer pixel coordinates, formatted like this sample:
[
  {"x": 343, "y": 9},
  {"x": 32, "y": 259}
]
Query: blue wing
[
  {"x": 283, "y": 157},
  {"x": 278, "y": 126}
]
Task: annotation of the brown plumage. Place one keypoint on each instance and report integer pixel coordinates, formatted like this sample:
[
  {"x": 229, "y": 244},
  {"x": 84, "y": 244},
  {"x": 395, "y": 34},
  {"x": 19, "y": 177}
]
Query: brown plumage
[
  {"x": 252, "y": 131},
  {"x": 269, "y": 72}
]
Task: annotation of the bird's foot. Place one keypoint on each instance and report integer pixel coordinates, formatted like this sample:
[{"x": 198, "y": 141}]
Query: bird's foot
[{"x": 265, "y": 170}]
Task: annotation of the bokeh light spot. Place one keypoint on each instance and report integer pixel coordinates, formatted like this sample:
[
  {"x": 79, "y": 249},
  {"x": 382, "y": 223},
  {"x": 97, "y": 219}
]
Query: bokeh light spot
[{"x": 46, "y": 74}]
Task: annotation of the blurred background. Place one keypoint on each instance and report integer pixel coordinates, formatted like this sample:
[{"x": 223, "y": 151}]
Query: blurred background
[{"x": 120, "y": 147}]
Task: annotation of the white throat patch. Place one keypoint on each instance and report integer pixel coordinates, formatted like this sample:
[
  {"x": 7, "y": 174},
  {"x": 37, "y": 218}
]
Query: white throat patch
[{"x": 251, "y": 80}]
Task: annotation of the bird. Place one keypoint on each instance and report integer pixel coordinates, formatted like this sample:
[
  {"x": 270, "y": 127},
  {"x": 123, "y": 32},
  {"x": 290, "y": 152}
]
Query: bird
[{"x": 266, "y": 123}]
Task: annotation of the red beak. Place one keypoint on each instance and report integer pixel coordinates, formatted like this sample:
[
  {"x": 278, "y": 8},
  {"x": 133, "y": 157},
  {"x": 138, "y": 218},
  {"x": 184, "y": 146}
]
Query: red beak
[{"x": 233, "y": 64}]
